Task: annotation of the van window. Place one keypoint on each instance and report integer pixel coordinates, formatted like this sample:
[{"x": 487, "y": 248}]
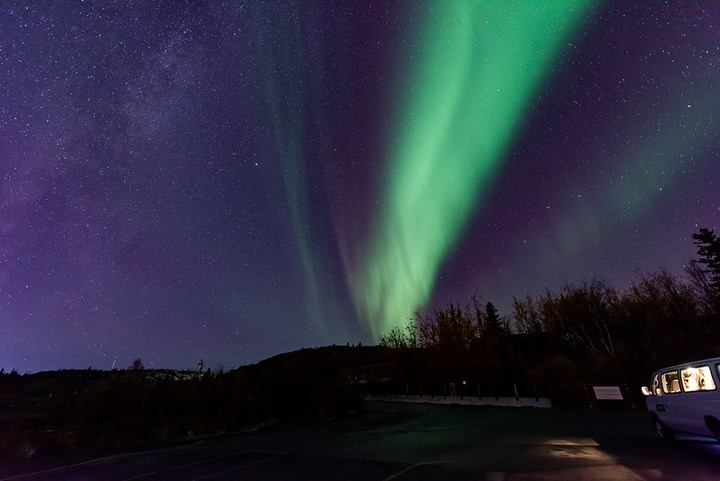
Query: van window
[
  {"x": 670, "y": 382},
  {"x": 697, "y": 378}
]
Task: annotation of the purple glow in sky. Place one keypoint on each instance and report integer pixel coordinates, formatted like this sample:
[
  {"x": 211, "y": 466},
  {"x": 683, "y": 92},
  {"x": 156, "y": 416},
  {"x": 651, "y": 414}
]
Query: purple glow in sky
[{"x": 183, "y": 181}]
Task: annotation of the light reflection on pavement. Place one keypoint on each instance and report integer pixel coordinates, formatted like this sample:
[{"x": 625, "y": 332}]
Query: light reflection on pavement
[{"x": 415, "y": 442}]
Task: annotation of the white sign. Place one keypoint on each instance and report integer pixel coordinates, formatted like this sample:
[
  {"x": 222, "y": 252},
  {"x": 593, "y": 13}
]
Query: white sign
[{"x": 608, "y": 392}]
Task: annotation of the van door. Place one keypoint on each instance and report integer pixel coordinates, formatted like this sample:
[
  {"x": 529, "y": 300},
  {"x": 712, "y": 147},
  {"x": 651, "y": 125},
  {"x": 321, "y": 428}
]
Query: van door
[
  {"x": 669, "y": 405},
  {"x": 698, "y": 398}
]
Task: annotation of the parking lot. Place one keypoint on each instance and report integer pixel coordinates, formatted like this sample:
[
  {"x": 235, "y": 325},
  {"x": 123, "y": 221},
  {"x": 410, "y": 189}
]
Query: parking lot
[{"x": 415, "y": 442}]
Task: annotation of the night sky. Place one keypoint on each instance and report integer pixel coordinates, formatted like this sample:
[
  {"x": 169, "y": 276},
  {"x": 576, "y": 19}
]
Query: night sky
[{"x": 228, "y": 181}]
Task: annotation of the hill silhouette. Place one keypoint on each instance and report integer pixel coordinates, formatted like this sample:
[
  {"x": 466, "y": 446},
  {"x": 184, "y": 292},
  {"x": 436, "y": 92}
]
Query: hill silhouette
[{"x": 77, "y": 410}]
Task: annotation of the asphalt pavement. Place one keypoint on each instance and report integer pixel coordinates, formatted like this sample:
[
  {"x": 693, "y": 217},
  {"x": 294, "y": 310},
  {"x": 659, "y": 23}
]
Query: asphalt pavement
[{"x": 401, "y": 441}]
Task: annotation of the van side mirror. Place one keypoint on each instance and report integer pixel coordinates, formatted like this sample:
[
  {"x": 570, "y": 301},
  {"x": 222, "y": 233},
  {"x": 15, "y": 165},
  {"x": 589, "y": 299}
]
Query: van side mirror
[{"x": 646, "y": 391}]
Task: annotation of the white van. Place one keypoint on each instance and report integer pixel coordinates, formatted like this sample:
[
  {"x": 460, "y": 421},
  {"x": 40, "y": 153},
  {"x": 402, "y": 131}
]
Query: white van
[{"x": 686, "y": 398}]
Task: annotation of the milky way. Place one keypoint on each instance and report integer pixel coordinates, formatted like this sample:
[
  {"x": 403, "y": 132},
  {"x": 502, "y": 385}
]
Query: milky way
[{"x": 231, "y": 180}]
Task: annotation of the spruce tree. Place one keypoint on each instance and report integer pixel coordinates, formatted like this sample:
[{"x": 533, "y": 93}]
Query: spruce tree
[{"x": 709, "y": 251}]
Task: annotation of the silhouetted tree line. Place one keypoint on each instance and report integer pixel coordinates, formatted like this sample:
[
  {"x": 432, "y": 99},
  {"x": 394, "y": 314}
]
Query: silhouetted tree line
[
  {"x": 60, "y": 411},
  {"x": 556, "y": 342},
  {"x": 550, "y": 346}
]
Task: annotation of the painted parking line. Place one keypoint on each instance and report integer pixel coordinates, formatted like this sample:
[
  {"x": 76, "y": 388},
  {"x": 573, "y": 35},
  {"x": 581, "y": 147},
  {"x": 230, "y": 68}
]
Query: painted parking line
[
  {"x": 410, "y": 468},
  {"x": 188, "y": 465},
  {"x": 42, "y": 474},
  {"x": 236, "y": 468},
  {"x": 79, "y": 465}
]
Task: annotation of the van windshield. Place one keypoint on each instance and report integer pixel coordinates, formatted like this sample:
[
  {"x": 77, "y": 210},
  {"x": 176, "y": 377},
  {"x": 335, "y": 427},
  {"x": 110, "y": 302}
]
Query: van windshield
[{"x": 656, "y": 385}]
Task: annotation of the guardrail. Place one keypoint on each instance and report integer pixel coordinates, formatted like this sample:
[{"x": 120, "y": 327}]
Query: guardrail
[{"x": 508, "y": 401}]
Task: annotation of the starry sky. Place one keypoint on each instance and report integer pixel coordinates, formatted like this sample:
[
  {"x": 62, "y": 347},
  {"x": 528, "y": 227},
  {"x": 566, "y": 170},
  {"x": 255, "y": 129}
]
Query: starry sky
[{"x": 230, "y": 180}]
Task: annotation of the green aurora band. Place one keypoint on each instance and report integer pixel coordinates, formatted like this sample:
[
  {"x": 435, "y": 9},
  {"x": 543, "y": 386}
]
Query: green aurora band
[{"x": 479, "y": 66}]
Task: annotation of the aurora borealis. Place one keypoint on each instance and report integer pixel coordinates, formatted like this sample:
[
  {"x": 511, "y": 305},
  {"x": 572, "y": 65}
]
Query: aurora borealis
[
  {"x": 473, "y": 80},
  {"x": 231, "y": 180}
]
